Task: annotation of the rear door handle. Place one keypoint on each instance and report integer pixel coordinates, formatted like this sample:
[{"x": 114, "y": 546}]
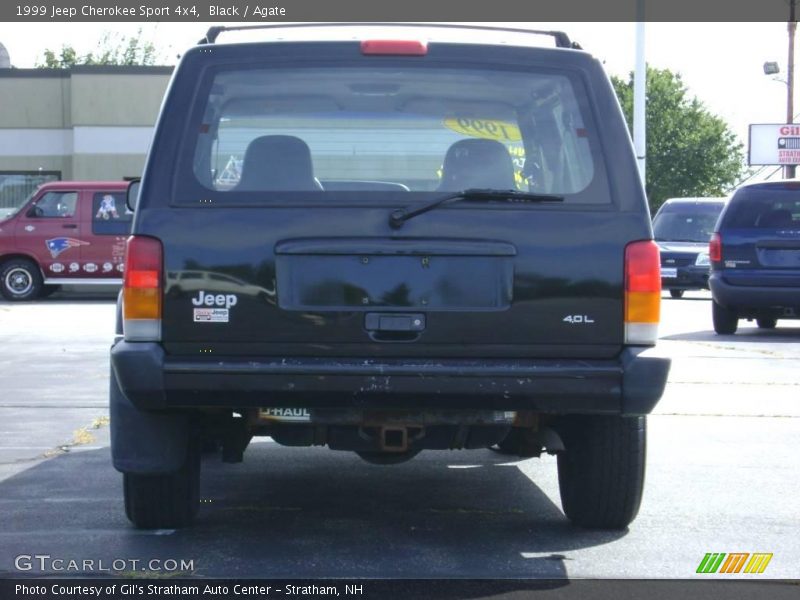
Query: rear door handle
[
  {"x": 70, "y": 226},
  {"x": 394, "y": 322}
]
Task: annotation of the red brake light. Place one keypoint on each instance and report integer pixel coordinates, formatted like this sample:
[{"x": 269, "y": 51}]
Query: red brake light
[
  {"x": 642, "y": 292},
  {"x": 143, "y": 262},
  {"x": 394, "y": 47},
  {"x": 141, "y": 296},
  {"x": 715, "y": 248},
  {"x": 642, "y": 267}
]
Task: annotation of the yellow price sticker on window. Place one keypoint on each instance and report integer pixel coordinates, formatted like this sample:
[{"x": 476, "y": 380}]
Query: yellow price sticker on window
[{"x": 487, "y": 129}]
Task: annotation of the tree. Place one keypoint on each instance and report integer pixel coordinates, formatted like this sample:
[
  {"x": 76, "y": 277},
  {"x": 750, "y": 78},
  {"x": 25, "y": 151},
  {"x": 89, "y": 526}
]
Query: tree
[
  {"x": 110, "y": 50},
  {"x": 690, "y": 152}
]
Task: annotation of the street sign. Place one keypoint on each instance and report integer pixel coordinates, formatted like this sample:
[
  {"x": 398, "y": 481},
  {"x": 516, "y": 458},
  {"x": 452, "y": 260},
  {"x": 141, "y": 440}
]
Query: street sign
[{"x": 774, "y": 144}]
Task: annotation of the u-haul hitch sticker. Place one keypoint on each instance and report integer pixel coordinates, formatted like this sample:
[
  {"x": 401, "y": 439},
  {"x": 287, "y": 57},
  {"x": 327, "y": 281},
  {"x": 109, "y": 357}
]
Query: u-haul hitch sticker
[
  {"x": 294, "y": 415},
  {"x": 211, "y": 315}
]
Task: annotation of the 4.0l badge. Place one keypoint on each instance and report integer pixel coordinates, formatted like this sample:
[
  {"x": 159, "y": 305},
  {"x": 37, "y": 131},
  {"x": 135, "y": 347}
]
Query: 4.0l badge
[{"x": 578, "y": 319}]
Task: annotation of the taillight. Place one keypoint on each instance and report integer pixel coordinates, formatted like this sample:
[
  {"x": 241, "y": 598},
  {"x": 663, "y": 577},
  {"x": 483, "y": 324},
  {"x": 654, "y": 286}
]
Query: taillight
[
  {"x": 141, "y": 292},
  {"x": 715, "y": 248},
  {"x": 642, "y": 292},
  {"x": 394, "y": 47}
]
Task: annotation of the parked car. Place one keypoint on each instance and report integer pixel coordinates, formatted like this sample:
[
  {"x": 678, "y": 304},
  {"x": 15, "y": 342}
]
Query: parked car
[
  {"x": 68, "y": 232},
  {"x": 682, "y": 228},
  {"x": 431, "y": 245},
  {"x": 755, "y": 257}
]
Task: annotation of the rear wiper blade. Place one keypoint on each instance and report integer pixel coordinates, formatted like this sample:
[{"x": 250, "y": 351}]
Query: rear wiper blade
[{"x": 401, "y": 215}]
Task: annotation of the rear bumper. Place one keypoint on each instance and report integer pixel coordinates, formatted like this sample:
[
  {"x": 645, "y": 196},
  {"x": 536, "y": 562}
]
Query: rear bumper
[
  {"x": 630, "y": 384},
  {"x": 752, "y": 297},
  {"x": 689, "y": 278}
]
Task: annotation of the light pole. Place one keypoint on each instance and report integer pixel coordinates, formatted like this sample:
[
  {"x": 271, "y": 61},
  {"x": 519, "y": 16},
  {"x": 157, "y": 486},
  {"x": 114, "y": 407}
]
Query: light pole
[
  {"x": 789, "y": 170},
  {"x": 771, "y": 68},
  {"x": 639, "y": 95}
]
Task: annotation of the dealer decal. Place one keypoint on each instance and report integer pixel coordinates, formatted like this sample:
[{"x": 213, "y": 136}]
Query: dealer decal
[
  {"x": 488, "y": 129},
  {"x": 211, "y": 315}
]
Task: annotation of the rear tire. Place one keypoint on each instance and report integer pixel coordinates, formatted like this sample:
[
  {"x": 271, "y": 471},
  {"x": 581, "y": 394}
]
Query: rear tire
[
  {"x": 164, "y": 501},
  {"x": 20, "y": 280},
  {"x": 768, "y": 323},
  {"x": 601, "y": 472},
  {"x": 726, "y": 321},
  {"x": 676, "y": 293}
]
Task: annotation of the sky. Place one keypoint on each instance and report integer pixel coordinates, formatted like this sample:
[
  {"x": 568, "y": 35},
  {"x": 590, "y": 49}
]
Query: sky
[{"x": 721, "y": 63}]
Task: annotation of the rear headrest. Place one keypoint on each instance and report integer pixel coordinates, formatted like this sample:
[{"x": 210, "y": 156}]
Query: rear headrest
[
  {"x": 477, "y": 163},
  {"x": 277, "y": 162}
]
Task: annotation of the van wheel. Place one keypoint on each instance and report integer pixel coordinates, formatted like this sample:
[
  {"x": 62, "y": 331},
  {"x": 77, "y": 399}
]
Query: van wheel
[
  {"x": 768, "y": 323},
  {"x": 165, "y": 501},
  {"x": 601, "y": 471},
  {"x": 676, "y": 293},
  {"x": 20, "y": 279},
  {"x": 725, "y": 320}
]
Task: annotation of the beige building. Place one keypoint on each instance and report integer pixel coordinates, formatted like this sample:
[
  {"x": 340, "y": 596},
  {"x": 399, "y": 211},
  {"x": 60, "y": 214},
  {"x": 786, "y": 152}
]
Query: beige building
[{"x": 88, "y": 123}]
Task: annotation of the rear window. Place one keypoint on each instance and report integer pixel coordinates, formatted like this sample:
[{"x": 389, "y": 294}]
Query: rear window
[
  {"x": 413, "y": 129},
  {"x": 686, "y": 222},
  {"x": 764, "y": 208}
]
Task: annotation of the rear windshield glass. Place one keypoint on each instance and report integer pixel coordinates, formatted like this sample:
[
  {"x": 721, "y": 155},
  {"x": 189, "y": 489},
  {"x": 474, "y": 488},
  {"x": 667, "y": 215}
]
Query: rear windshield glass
[
  {"x": 686, "y": 223},
  {"x": 378, "y": 130},
  {"x": 764, "y": 208}
]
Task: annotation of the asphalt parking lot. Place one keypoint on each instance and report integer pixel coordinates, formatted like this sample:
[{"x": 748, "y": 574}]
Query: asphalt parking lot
[{"x": 722, "y": 475}]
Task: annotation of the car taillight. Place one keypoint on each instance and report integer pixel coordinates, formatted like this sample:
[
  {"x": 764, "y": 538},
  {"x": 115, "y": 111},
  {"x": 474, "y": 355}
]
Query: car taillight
[
  {"x": 141, "y": 292},
  {"x": 715, "y": 248},
  {"x": 394, "y": 47},
  {"x": 642, "y": 292}
]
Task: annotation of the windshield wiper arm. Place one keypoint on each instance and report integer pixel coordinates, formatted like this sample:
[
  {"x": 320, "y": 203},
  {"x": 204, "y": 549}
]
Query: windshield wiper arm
[{"x": 401, "y": 215}]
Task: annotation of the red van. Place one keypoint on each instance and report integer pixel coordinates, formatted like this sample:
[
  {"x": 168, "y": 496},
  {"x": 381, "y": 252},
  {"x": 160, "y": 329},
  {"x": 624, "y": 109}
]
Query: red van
[{"x": 67, "y": 232}]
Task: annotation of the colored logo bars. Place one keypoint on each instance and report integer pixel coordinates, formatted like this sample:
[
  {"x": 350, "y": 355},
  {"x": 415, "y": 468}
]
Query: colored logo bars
[{"x": 736, "y": 562}]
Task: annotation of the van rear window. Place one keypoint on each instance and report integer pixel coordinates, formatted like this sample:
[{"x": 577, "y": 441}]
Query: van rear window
[
  {"x": 764, "y": 208},
  {"x": 368, "y": 129}
]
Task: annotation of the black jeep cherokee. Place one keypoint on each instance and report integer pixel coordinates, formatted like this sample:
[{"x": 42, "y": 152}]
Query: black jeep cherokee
[{"x": 387, "y": 246}]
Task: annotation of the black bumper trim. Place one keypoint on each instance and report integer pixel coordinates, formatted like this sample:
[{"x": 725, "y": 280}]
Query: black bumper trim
[
  {"x": 630, "y": 384},
  {"x": 752, "y": 297}
]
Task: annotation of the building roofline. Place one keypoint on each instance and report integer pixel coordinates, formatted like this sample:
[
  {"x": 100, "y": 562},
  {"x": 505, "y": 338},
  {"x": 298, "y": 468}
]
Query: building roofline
[{"x": 86, "y": 70}]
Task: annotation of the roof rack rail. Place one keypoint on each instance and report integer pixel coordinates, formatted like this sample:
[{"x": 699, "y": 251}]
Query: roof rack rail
[{"x": 561, "y": 39}]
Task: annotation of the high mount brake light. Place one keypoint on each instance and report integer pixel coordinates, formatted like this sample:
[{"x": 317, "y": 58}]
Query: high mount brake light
[
  {"x": 394, "y": 47},
  {"x": 141, "y": 292},
  {"x": 642, "y": 292}
]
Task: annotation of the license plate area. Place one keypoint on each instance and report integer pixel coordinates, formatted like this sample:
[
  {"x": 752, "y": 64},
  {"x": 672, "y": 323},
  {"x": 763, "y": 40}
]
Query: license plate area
[
  {"x": 392, "y": 276},
  {"x": 669, "y": 272},
  {"x": 779, "y": 257}
]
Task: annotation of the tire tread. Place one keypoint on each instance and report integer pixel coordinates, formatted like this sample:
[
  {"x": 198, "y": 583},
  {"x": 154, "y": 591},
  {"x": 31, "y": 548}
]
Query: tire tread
[{"x": 601, "y": 475}]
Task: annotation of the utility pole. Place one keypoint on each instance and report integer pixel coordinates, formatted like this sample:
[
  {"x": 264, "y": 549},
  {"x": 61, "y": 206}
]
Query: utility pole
[
  {"x": 639, "y": 87},
  {"x": 789, "y": 170}
]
